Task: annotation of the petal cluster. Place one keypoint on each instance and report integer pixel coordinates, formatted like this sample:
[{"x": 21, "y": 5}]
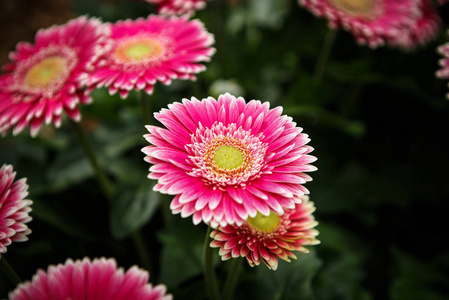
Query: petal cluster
[
  {"x": 290, "y": 232},
  {"x": 178, "y": 7},
  {"x": 14, "y": 208},
  {"x": 145, "y": 51},
  {"x": 99, "y": 279},
  {"x": 398, "y": 23},
  {"x": 226, "y": 160},
  {"x": 46, "y": 78},
  {"x": 443, "y": 72}
]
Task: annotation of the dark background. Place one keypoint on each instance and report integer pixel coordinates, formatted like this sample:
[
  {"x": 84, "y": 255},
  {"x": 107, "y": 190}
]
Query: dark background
[{"x": 378, "y": 122}]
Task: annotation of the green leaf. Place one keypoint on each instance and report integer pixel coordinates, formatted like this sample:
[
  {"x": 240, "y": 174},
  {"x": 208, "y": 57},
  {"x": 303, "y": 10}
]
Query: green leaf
[{"x": 133, "y": 209}]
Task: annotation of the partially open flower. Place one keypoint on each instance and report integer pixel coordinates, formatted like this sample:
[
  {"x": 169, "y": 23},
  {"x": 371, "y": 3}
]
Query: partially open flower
[
  {"x": 265, "y": 238},
  {"x": 372, "y": 22},
  {"x": 99, "y": 279},
  {"x": 154, "y": 49},
  {"x": 178, "y": 7},
  {"x": 227, "y": 159},
  {"x": 46, "y": 79},
  {"x": 14, "y": 208}
]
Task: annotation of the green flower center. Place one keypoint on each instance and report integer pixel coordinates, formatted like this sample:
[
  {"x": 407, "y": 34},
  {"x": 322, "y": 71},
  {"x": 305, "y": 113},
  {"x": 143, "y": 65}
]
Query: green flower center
[
  {"x": 358, "y": 8},
  {"x": 265, "y": 224},
  {"x": 228, "y": 157},
  {"x": 45, "y": 73},
  {"x": 139, "y": 50}
]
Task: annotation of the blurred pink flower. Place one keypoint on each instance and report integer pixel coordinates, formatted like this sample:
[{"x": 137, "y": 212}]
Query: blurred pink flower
[
  {"x": 372, "y": 22},
  {"x": 265, "y": 238},
  {"x": 154, "y": 49},
  {"x": 178, "y": 7},
  {"x": 444, "y": 63},
  {"x": 14, "y": 208},
  {"x": 426, "y": 27},
  {"x": 227, "y": 159},
  {"x": 46, "y": 79},
  {"x": 99, "y": 279}
]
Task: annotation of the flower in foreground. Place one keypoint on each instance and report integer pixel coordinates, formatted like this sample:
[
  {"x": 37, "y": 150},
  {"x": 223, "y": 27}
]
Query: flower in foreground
[
  {"x": 372, "y": 22},
  {"x": 154, "y": 49},
  {"x": 265, "y": 238},
  {"x": 227, "y": 159},
  {"x": 14, "y": 208},
  {"x": 178, "y": 7},
  {"x": 45, "y": 79},
  {"x": 99, "y": 279}
]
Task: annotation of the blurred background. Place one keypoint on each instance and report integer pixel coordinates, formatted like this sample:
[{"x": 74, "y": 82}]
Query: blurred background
[{"x": 378, "y": 121}]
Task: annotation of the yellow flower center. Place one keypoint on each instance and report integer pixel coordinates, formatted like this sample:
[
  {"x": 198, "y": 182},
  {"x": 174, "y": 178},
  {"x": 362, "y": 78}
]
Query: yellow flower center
[
  {"x": 140, "y": 49},
  {"x": 357, "y": 8},
  {"x": 46, "y": 73},
  {"x": 265, "y": 224},
  {"x": 228, "y": 157}
]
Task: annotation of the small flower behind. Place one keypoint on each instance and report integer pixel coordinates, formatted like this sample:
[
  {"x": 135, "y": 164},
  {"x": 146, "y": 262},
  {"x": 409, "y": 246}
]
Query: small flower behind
[
  {"x": 178, "y": 7},
  {"x": 443, "y": 73},
  {"x": 265, "y": 238},
  {"x": 225, "y": 159},
  {"x": 99, "y": 279},
  {"x": 157, "y": 48},
  {"x": 45, "y": 79},
  {"x": 14, "y": 208}
]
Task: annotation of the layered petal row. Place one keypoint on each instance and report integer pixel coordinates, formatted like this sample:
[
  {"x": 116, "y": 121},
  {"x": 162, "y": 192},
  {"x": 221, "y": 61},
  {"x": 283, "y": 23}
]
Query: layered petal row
[{"x": 178, "y": 7}]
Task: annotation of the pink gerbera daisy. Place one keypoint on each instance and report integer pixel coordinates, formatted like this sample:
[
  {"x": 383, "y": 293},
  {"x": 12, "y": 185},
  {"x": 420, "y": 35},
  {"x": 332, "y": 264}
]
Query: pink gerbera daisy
[
  {"x": 226, "y": 159},
  {"x": 424, "y": 29},
  {"x": 178, "y": 7},
  {"x": 99, "y": 279},
  {"x": 45, "y": 79},
  {"x": 372, "y": 22},
  {"x": 265, "y": 238},
  {"x": 158, "y": 48},
  {"x": 444, "y": 63},
  {"x": 14, "y": 208}
]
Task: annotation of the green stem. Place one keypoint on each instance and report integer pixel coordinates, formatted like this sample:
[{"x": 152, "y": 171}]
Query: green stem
[
  {"x": 324, "y": 55},
  {"x": 9, "y": 271},
  {"x": 146, "y": 108},
  {"x": 231, "y": 279},
  {"x": 109, "y": 191},
  {"x": 208, "y": 269},
  {"x": 104, "y": 181}
]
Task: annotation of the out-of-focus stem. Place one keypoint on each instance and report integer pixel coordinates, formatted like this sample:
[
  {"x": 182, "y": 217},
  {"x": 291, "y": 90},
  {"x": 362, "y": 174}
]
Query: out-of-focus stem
[{"x": 208, "y": 269}]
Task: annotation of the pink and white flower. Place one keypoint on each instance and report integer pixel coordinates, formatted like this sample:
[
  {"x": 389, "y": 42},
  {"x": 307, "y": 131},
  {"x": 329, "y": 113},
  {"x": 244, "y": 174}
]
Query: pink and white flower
[
  {"x": 45, "y": 79},
  {"x": 444, "y": 63},
  {"x": 178, "y": 7},
  {"x": 154, "y": 49},
  {"x": 372, "y": 22},
  {"x": 14, "y": 208},
  {"x": 265, "y": 238},
  {"x": 226, "y": 160},
  {"x": 99, "y": 279}
]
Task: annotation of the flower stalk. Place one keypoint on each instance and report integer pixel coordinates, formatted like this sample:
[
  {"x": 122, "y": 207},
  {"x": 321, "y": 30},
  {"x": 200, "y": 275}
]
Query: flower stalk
[
  {"x": 9, "y": 271},
  {"x": 231, "y": 279},
  {"x": 324, "y": 55},
  {"x": 208, "y": 269}
]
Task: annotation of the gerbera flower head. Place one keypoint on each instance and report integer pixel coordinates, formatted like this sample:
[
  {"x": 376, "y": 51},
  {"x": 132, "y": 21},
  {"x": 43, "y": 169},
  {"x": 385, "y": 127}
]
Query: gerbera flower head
[
  {"x": 265, "y": 238},
  {"x": 372, "y": 22},
  {"x": 154, "y": 49},
  {"x": 225, "y": 159},
  {"x": 178, "y": 7},
  {"x": 45, "y": 79},
  {"x": 99, "y": 279},
  {"x": 14, "y": 208},
  {"x": 425, "y": 28}
]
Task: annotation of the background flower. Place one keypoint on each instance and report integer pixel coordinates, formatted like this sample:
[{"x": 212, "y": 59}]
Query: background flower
[
  {"x": 45, "y": 79},
  {"x": 226, "y": 159},
  {"x": 265, "y": 238},
  {"x": 154, "y": 49},
  {"x": 178, "y": 7},
  {"x": 372, "y": 22},
  {"x": 99, "y": 279},
  {"x": 14, "y": 208}
]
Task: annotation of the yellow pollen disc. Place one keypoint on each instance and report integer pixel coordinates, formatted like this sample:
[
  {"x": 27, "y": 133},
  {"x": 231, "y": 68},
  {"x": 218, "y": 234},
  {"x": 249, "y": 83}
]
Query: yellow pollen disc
[
  {"x": 228, "y": 157},
  {"x": 139, "y": 50},
  {"x": 263, "y": 223},
  {"x": 355, "y": 7},
  {"x": 46, "y": 72}
]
